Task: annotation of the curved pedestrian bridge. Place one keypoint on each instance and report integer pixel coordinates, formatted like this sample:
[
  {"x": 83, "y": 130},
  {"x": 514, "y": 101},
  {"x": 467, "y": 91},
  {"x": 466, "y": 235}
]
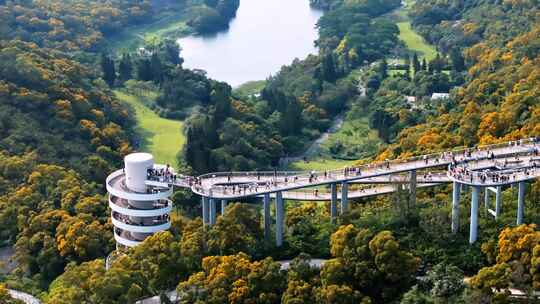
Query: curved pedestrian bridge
[
  {"x": 487, "y": 168},
  {"x": 510, "y": 162}
]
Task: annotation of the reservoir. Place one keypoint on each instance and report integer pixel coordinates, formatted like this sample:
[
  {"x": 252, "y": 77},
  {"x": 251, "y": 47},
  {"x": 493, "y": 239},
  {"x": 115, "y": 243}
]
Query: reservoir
[{"x": 265, "y": 35}]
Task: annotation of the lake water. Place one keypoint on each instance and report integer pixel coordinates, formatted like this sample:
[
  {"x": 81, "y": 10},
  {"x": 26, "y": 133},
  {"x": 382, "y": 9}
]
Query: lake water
[{"x": 265, "y": 35}]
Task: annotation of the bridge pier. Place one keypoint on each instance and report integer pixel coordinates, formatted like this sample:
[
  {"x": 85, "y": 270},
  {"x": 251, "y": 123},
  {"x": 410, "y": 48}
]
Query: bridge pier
[
  {"x": 333, "y": 203},
  {"x": 455, "y": 206},
  {"x": 473, "y": 232},
  {"x": 223, "y": 206},
  {"x": 213, "y": 215},
  {"x": 266, "y": 216},
  {"x": 498, "y": 202},
  {"x": 486, "y": 199},
  {"x": 279, "y": 219},
  {"x": 344, "y": 197},
  {"x": 521, "y": 203},
  {"x": 205, "y": 210},
  {"x": 412, "y": 188}
]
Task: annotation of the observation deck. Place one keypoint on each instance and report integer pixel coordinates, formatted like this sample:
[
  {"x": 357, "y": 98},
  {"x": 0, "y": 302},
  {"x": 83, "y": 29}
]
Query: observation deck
[
  {"x": 138, "y": 208},
  {"x": 139, "y": 194}
]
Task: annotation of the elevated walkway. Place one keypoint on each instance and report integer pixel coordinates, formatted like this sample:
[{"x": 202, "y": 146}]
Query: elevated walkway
[{"x": 237, "y": 185}]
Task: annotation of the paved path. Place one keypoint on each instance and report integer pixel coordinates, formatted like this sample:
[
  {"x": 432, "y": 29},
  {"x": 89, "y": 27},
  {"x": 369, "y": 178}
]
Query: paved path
[
  {"x": 8, "y": 263},
  {"x": 315, "y": 145},
  {"x": 23, "y": 296}
]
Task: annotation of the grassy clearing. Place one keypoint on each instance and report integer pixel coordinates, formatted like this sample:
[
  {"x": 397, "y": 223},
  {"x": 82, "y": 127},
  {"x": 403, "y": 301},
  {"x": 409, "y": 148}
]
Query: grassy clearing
[
  {"x": 415, "y": 42},
  {"x": 355, "y": 140},
  {"x": 250, "y": 88},
  {"x": 161, "y": 137},
  {"x": 171, "y": 23},
  {"x": 320, "y": 164}
]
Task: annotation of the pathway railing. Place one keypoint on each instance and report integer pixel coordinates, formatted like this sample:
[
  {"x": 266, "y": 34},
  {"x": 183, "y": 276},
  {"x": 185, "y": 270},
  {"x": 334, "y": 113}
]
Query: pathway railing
[{"x": 248, "y": 183}]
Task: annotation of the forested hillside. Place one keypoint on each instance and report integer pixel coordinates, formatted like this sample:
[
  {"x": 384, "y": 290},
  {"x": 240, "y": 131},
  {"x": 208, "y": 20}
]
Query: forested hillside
[
  {"x": 499, "y": 100},
  {"x": 62, "y": 131}
]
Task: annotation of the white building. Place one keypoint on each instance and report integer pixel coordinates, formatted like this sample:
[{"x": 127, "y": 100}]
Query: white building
[
  {"x": 139, "y": 207},
  {"x": 439, "y": 96}
]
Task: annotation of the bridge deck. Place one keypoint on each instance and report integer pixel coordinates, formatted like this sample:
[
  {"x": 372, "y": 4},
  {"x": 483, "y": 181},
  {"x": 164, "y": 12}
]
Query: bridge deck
[{"x": 232, "y": 185}]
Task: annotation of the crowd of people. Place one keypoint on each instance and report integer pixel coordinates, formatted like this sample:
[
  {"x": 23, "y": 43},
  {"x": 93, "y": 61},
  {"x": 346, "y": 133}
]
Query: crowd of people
[
  {"x": 161, "y": 219},
  {"x": 165, "y": 174},
  {"x": 457, "y": 165},
  {"x": 507, "y": 170}
]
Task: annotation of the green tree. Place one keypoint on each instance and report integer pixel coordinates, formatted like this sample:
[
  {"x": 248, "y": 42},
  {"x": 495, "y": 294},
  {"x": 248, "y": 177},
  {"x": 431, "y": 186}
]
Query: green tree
[
  {"x": 368, "y": 264},
  {"x": 416, "y": 64},
  {"x": 108, "y": 69},
  {"x": 239, "y": 230},
  {"x": 125, "y": 68},
  {"x": 302, "y": 281},
  {"x": 234, "y": 279}
]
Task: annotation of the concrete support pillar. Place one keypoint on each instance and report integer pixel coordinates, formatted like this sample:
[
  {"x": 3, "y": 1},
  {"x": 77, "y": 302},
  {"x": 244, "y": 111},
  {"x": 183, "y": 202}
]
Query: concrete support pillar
[
  {"x": 223, "y": 206},
  {"x": 455, "y": 207},
  {"x": 205, "y": 210},
  {"x": 486, "y": 198},
  {"x": 266, "y": 216},
  {"x": 498, "y": 202},
  {"x": 521, "y": 203},
  {"x": 213, "y": 215},
  {"x": 473, "y": 232},
  {"x": 344, "y": 197},
  {"x": 333, "y": 203},
  {"x": 412, "y": 188},
  {"x": 279, "y": 219}
]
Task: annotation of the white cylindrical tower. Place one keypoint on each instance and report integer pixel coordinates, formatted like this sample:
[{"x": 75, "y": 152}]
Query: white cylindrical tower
[
  {"x": 136, "y": 169},
  {"x": 140, "y": 206}
]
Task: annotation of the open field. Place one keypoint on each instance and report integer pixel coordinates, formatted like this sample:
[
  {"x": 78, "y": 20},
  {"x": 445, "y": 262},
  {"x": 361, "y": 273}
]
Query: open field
[
  {"x": 320, "y": 164},
  {"x": 355, "y": 139},
  {"x": 250, "y": 88},
  {"x": 161, "y": 137},
  {"x": 171, "y": 23},
  {"x": 415, "y": 42}
]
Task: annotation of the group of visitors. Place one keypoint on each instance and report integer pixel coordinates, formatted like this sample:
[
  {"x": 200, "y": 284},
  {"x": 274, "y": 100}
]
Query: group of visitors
[
  {"x": 166, "y": 174},
  {"x": 458, "y": 167}
]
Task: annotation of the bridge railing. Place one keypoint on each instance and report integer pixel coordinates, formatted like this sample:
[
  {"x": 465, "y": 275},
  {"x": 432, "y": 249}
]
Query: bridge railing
[
  {"x": 466, "y": 175},
  {"x": 439, "y": 158}
]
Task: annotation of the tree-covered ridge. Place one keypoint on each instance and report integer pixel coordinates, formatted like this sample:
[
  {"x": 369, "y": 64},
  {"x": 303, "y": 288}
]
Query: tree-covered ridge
[
  {"x": 52, "y": 215},
  {"x": 458, "y": 24},
  {"x": 212, "y": 15},
  {"x": 499, "y": 100},
  {"x": 58, "y": 108},
  {"x": 56, "y": 115},
  {"x": 69, "y": 25}
]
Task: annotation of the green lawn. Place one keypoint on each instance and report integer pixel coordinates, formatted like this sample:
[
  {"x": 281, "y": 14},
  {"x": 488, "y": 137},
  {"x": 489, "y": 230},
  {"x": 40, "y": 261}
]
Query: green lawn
[
  {"x": 320, "y": 164},
  {"x": 170, "y": 23},
  {"x": 161, "y": 137},
  {"x": 250, "y": 88},
  {"x": 355, "y": 140},
  {"x": 415, "y": 42}
]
